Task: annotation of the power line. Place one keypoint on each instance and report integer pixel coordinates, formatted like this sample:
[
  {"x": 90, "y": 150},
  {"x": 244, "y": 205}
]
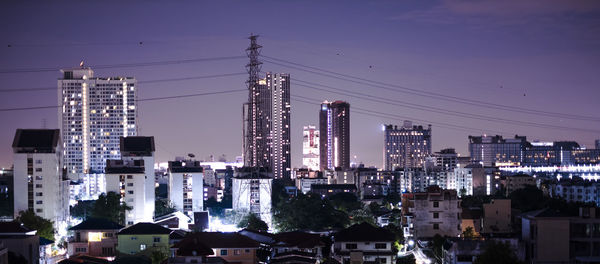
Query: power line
[
  {"x": 436, "y": 109},
  {"x": 368, "y": 112},
  {"x": 403, "y": 89},
  {"x": 138, "y": 100},
  {"x": 139, "y": 82},
  {"x": 124, "y": 65}
]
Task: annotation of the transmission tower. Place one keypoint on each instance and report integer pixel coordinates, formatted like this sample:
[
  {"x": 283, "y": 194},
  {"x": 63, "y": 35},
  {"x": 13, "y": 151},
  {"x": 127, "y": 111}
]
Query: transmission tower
[{"x": 251, "y": 107}]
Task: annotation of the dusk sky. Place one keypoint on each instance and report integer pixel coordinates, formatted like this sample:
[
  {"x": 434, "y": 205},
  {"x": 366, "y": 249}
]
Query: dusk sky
[{"x": 433, "y": 62}]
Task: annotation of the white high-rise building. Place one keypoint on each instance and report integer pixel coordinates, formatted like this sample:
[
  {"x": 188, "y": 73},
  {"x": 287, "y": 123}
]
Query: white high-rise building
[
  {"x": 186, "y": 187},
  {"x": 95, "y": 112},
  {"x": 310, "y": 148},
  {"x": 132, "y": 176},
  {"x": 39, "y": 184}
]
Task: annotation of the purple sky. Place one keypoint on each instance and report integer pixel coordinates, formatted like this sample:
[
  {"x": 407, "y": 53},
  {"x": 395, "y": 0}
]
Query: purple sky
[{"x": 492, "y": 51}]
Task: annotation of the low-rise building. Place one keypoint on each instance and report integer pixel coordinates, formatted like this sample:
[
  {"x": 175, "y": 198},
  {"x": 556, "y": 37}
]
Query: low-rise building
[
  {"x": 497, "y": 217},
  {"x": 21, "y": 241},
  {"x": 436, "y": 211},
  {"x": 576, "y": 190},
  {"x": 304, "y": 184},
  {"x": 232, "y": 247},
  {"x": 143, "y": 238},
  {"x": 364, "y": 243},
  {"x": 186, "y": 188},
  {"x": 517, "y": 182},
  {"x": 326, "y": 190},
  {"x": 553, "y": 236},
  {"x": 94, "y": 237}
]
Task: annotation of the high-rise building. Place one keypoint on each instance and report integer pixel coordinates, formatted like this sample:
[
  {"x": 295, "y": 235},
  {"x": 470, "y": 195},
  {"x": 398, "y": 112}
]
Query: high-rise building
[
  {"x": 334, "y": 135},
  {"x": 310, "y": 148},
  {"x": 267, "y": 118},
  {"x": 95, "y": 112},
  {"x": 497, "y": 151},
  {"x": 186, "y": 188},
  {"x": 406, "y": 146},
  {"x": 132, "y": 177},
  {"x": 39, "y": 183},
  {"x": 446, "y": 158},
  {"x": 597, "y": 143}
]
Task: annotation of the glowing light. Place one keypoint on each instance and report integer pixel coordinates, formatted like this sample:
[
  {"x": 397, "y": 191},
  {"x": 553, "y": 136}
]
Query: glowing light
[{"x": 94, "y": 236}]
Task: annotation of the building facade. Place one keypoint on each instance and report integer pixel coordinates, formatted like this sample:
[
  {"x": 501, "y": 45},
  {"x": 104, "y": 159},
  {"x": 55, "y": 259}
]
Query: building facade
[
  {"x": 497, "y": 151},
  {"x": 334, "y": 135},
  {"x": 95, "y": 112},
  {"x": 39, "y": 181},
  {"x": 407, "y": 146},
  {"x": 435, "y": 211},
  {"x": 310, "y": 148},
  {"x": 186, "y": 188},
  {"x": 132, "y": 177}
]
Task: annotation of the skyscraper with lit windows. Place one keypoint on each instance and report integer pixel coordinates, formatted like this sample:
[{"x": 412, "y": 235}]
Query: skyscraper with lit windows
[
  {"x": 94, "y": 113},
  {"x": 406, "y": 146},
  {"x": 334, "y": 132}
]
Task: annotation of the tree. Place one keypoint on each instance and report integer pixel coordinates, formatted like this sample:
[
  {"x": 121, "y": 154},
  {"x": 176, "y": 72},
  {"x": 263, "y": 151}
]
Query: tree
[
  {"x": 308, "y": 212},
  {"x": 361, "y": 215},
  {"x": 469, "y": 233},
  {"x": 252, "y": 221},
  {"x": 528, "y": 199},
  {"x": 163, "y": 207},
  {"x": 346, "y": 202},
  {"x": 438, "y": 244},
  {"x": 157, "y": 256},
  {"x": 109, "y": 206},
  {"x": 83, "y": 209},
  {"x": 497, "y": 252},
  {"x": 32, "y": 221}
]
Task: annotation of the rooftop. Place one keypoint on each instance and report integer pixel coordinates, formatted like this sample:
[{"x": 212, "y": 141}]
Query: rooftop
[
  {"x": 364, "y": 232},
  {"x": 137, "y": 146},
  {"x": 36, "y": 140},
  {"x": 220, "y": 240},
  {"x": 97, "y": 224},
  {"x": 145, "y": 229}
]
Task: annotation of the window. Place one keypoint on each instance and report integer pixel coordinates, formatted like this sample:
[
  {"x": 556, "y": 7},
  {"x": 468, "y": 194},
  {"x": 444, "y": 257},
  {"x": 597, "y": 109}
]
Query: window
[
  {"x": 247, "y": 250},
  {"x": 380, "y": 246},
  {"x": 39, "y": 194},
  {"x": 129, "y": 176},
  {"x": 436, "y": 215},
  {"x": 107, "y": 251},
  {"x": 39, "y": 202},
  {"x": 38, "y": 169},
  {"x": 38, "y": 161},
  {"x": 223, "y": 252},
  {"x": 80, "y": 250},
  {"x": 351, "y": 246},
  {"x": 436, "y": 226},
  {"x": 38, "y": 210},
  {"x": 130, "y": 184},
  {"x": 381, "y": 260},
  {"x": 133, "y": 238},
  {"x": 130, "y": 192},
  {"x": 436, "y": 204},
  {"x": 107, "y": 234},
  {"x": 38, "y": 186},
  {"x": 237, "y": 251},
  {"x": 156, "y": 239},
  {"x": 142, "y": 246}
]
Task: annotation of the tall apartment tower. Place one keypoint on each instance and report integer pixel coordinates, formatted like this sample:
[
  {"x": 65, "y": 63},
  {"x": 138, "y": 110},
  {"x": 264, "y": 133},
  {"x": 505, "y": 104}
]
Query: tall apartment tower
[
  {"x": 186, "y": 186},
  {"x": 266, "y": 117},
  {"x": 95, "y": 112},
  {"x": 39, "y": 183},
  {"x": 132, "y": 176},
  {"x": 406, "y": 146},
  {"x": 334, "y": 131},
  {"x": 310, "y": 148}
]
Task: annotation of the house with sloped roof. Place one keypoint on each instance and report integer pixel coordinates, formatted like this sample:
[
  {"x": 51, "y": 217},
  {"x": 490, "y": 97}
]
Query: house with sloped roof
[
  {"x": 143, "y": 238},
  {"x": 231, "y": 247},
  {"x": 95, "y": 237},
  {"x": 364, "y": 243}
]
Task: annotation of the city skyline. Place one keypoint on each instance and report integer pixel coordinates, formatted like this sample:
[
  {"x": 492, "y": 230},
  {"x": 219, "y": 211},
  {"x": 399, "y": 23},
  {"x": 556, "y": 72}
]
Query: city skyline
[{"x": 510, "y": 62}]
